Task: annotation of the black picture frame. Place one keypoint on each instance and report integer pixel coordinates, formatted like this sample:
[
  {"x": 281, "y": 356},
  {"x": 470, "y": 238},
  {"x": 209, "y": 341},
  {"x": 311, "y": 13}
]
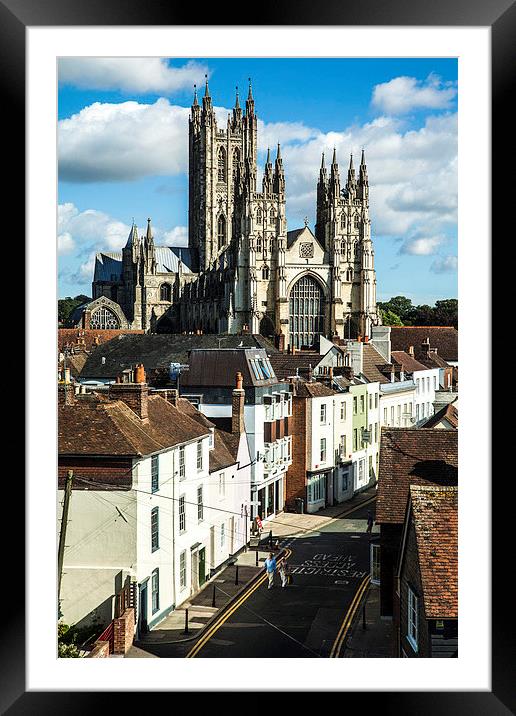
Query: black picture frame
[{"x": 500, "y": 16}]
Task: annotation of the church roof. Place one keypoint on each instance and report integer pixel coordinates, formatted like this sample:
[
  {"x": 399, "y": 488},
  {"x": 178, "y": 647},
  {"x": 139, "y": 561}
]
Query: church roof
[{"x": 108, "y": 266}]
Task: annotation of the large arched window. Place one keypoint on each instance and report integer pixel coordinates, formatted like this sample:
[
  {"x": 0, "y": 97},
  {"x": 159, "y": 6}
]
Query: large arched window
[
  {"x": 221, "y": 231},
  {"x": 343, "y": 222},
  {"x": 222, "y": 164},
  {"x": 265, "y": 273},
  {"x": 165, "y": 292},
  {"x": 103, "y": 318},
  {"x": 306, "y": 312},
  {"x": 259, "y": 244},
  {"x": 259, "y": 216}
]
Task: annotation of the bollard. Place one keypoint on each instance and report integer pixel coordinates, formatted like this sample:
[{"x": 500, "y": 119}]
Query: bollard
[
  {"x": 186, "y": 621},
  {"x": 257, "y": 556},
  {"x": 236, "y": 574},
  {"x": 270, "y": 539},
  {"x": 213, "y": 597}
]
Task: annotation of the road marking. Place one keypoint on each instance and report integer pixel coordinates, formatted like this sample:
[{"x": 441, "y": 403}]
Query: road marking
[
  {"x": 337, "y": 644},
  {"x": 225, "y": 616}
]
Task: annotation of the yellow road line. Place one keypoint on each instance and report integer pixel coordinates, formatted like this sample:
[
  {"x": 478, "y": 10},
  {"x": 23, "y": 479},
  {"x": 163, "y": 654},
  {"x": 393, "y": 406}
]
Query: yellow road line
[
  {"x": 225, "y": 616},
  {"x": 337, "y": 645}
]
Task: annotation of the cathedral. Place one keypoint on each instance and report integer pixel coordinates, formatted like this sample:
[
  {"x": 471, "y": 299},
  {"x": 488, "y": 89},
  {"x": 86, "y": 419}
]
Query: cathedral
[{"x": 243, "y": 271}]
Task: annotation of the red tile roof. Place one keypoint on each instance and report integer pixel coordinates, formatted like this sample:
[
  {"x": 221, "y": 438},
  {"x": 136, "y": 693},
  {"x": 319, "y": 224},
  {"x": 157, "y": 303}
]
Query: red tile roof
[
  {"x": 95, "y": 425},
  {"x": 412, "y": 456},
  {"x": 448, "y": 412},
  {"x": 86, "y": 338},
  {"x": 444, "y": 338},
  {"x": 434, "y": 511},
  {"x": 406, "y": 361}
]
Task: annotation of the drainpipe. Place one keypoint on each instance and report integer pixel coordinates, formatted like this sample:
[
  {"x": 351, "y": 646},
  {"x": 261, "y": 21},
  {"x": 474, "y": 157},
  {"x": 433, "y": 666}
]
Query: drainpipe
[{"x": 174, "y": 526}]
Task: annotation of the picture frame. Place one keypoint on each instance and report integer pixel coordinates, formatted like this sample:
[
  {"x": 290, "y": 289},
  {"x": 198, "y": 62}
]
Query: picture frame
[{"x": 15, "y": 17}]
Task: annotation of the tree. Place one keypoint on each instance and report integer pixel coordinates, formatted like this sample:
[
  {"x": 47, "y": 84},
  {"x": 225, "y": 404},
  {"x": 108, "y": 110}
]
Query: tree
[
  {"x": 447, "y": 312},
  {"x": 66, "y": 305},
  {"x": 389, "y": 318},
  {"x": 401, "y": 306}
]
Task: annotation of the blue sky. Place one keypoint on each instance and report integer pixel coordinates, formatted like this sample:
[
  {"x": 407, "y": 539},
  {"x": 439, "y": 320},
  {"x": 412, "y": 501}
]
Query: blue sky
[{"x": 123, "y": 137}]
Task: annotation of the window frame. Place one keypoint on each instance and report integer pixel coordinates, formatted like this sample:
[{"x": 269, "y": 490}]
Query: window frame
[
  {"x": 154, "y": 473},
  {"x": 155, "y": 529},
  {"x": 412, "y": 625},
  {"x": 182, "y": 569},
  {"x": 155, "y": 590},
  {"x": 200, "y": 504},
  {"x": 199, "y": 456},
  {"x": 182, "y": 514}
]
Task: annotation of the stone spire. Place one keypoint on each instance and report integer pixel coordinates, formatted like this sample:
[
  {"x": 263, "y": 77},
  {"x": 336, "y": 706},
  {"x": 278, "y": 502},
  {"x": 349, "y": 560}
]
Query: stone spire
[
  {"x": 267, "y": 175},
  {"x": 278, "y": 183},
  {"x": 132, "y": 239},
  {"x": 351, "y": 173},
  {"x": 363, "y": 181},
  {"x": 334, "y": 184},
  {"x": 249, "y": 105},
  {"x": 237, "y": 110},
  {"x": 206, "y": 100}
]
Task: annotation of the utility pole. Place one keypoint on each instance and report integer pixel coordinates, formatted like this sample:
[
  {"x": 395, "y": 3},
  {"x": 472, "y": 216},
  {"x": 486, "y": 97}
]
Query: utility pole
[{"x": 62, "y": 533}]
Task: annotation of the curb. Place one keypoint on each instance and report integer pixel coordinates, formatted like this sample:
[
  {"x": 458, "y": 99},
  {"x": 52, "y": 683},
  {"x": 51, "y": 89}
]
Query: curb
[{"x": 217, "y": 614}]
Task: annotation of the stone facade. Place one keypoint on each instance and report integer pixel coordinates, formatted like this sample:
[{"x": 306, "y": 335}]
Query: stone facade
[{"x": 243, "y": 271}]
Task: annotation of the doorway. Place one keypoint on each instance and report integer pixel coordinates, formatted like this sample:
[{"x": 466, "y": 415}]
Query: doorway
[
  {"x": 143, "y": 626},
  {"x": 202, "y": 566}
]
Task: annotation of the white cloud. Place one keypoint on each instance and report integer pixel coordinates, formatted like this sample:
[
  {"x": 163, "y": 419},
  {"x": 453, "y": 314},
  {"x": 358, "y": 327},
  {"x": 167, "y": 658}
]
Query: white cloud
[
  {"x": 65, "y": 243},
  {"x": 125, "y": 141},
  {"x": 404, "y": 94},
  {"x": 445, "y": 264},
  {"x": 91, "y": 231},
  {"x": 422, "y": 246},
  {"x": 145, "y": 75}
]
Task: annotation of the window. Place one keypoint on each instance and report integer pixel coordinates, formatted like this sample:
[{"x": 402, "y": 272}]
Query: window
[
  {"x": 182, "y": 462},
  {"x": 362, "y": 403},
  {"x": 355, "y": 439},
  {"x": 345, "y": 480},
  {"x": 265, "y": 273},
  {"x": 435, "y": 383},
  {"x": 376, "y": 432},
  {"x": 259, "y": 219},
  {"x": 428, "y": 384},
  {"x": 155, "y": 591},
  {"x": 236, "y": 161},
  {"x": 343, "y": 221},
  {"x": 417, "y": 386},
  {"x": 323, "y": 449},
  {"x": 306, "y": 310},
  {"x": 199, "y": 456},
  {"x": 182, "y": 514},
  {"x": 165, "y": 292},
  {"x": 182, "y": 569},
  {"x": 370, "y": 465},
  {"x": 399, "y": 414},
  {"x": 316, "y": 489},
  {"x": 200, "y": 506},
  {"x": 360, "y": 471},
  {"x": 342, "y": 446},
  {"x": 222, "y": 485},
  {"x": 385, "y": 416},
  {"x": 343, "y": 411},
  {"x": 392, "y": 415},
  {"x": 222, "y": 535},
  {"x": 154, "y": 473},
  {"x": 371, "y": 401},
  {"x": 259, "y": 245},
  {"x": 355, "y": 405},
  {"x": 103, "y": 318},
  {"x": 412, "y": 618},
  {"x": 417, "y": 411},
  {"x": 323, "y": 414},
  {"x": 221, "y": 165},
  {"x": 376, "y": 400},
  {"x": 154, "y": 529}
]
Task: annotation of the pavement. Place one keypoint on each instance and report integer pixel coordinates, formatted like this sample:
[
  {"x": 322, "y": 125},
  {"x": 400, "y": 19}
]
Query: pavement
[
  {"x": 376, "y": 640},
  {"x": 301, "y": 620}
]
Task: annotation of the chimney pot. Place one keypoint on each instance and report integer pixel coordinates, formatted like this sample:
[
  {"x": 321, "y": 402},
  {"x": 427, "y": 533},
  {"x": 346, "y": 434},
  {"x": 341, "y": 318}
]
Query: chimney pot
[{"x": 239, "y": 380}]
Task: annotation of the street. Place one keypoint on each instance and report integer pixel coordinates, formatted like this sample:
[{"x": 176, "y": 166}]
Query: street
[{"x": 302, "y": 620}]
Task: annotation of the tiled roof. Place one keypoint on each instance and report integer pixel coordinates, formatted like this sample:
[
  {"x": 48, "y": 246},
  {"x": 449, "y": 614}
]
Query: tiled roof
[
  {"x": 287, "y": 364},
  {"x": 431, "y": 360},
  {"x": 412, "y": 456},
  {"x": 108, "y": 266},
  {"x": 312, "y": 390},
  {"x": 214, "y": 367},
  {"x": 372, "y": 361},
  {"x": 157, "y": 351},
  {"x": 449, "y": 413},
  {"x": 86, "y": 338},
  {"x": 406, "y": 361},
  {"x": 444, "y": 338},
  {"x": 434, "y": 511},
  {"x": 95, "y": 425}
]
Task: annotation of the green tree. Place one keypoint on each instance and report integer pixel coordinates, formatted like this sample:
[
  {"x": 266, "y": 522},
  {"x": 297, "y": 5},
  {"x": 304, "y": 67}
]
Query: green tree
[
  {"x": 389, "y": 318},
  {"x": 66, "y": 305},
  {"x": 447, "y": 312}
]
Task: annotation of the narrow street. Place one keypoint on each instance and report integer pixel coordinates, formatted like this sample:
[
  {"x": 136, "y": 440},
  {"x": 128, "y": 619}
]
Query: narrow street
[{"x": 303, "y": 620}]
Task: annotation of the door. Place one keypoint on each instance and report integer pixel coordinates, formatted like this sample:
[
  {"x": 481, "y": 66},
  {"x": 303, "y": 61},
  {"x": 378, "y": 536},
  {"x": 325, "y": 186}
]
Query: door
[
  {"x": 142, "y": 622},
  {"x": 212, "y": 547},
  {"x": 195, "y": 571},
  {"x": 202, "y": 566}
]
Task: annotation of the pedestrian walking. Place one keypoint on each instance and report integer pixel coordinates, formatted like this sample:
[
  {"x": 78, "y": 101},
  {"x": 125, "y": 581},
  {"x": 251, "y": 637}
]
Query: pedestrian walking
[
  {"x": 270, "y": 567},
  {"x": 284, "y": 571},
  {"x": 369, "y": 521}
]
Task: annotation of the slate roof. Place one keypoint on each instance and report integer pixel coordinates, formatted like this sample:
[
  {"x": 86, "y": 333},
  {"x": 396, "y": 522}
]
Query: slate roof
[
  {"x": 412, "y": 456},
  {"x": 371, "y": 363},
  {"x": 406, "y": 361},
  {"x": 96, "y": 425},
  {"x": 157, "y": 351},
  {"x": 218, "y": 367},
  {"x": 449, "y": 413},
  {"x": 108, "y": 266},
  {"x": 444, "y": 338},
  {"x": 293, "y": 235},
  {"x": 435, "y": 515}
]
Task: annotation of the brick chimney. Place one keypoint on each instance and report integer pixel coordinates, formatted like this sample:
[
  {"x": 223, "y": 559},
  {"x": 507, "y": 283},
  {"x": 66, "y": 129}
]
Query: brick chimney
[
  {"x": 237, "y": 406},
  {"x": 134, "y": 395}
]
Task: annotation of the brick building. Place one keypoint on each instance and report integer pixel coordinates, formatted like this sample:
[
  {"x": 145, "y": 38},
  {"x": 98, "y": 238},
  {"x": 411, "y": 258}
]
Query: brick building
[{"x": 427, "y": 575}]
